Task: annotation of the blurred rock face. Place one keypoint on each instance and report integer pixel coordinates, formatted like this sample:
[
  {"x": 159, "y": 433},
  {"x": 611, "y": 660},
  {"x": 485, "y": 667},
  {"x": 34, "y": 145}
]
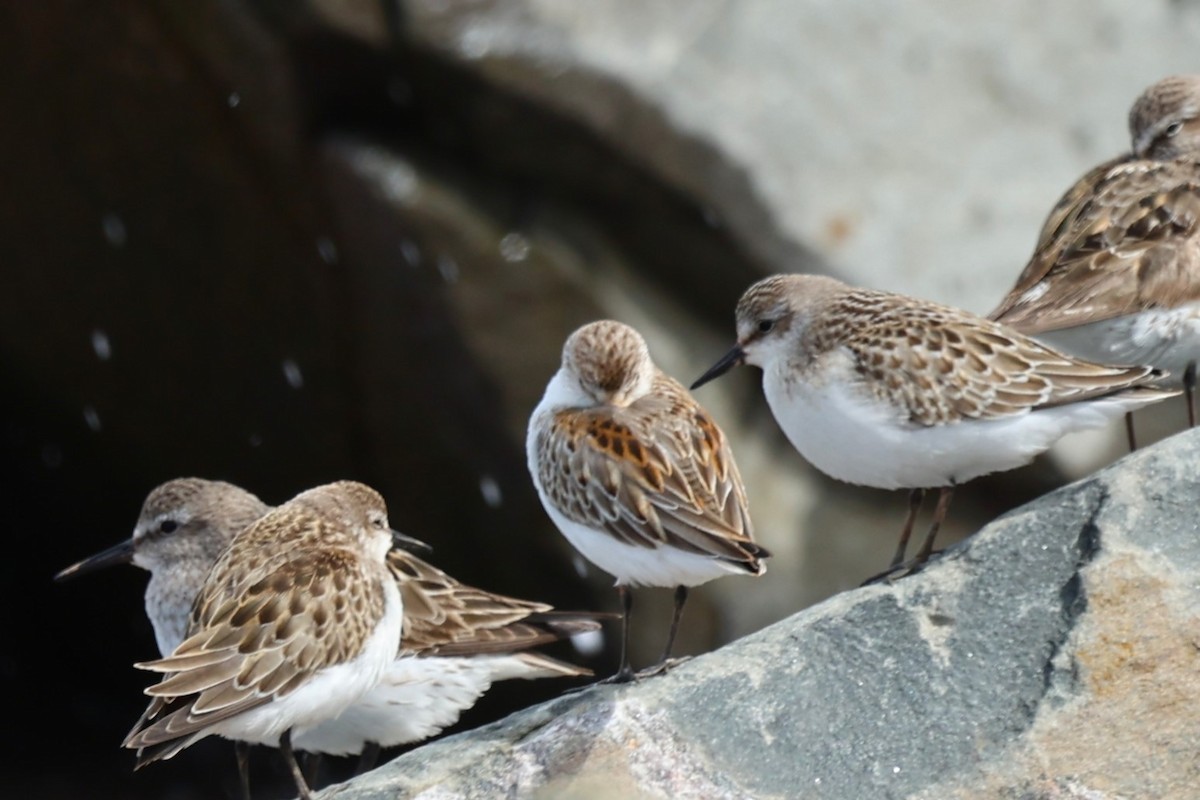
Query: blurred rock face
[{"x": 283, "y": 243}]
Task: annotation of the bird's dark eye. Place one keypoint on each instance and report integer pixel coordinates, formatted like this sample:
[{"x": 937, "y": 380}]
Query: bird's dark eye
[
  {"x": 168, "y": 526},
  {"x": 1174, "y": 128},
  {"x": 765, "y": 325}
]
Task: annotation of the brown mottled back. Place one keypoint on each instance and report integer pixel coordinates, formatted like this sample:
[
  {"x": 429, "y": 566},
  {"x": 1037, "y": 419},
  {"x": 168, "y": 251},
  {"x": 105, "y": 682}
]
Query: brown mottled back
[
  {"x": 942, "y": 364},
  {"x": 1124, "y": 238},
  {"x": 1130, "y": 242}
]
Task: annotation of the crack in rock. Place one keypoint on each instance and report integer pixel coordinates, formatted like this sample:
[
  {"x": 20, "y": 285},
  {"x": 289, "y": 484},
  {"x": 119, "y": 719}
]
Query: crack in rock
[{"x": 1060, "y": 670}]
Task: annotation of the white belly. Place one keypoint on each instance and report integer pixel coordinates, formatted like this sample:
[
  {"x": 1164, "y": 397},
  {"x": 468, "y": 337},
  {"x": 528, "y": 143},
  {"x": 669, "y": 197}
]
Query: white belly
[
  {"x": 326, "y": 695},
  {"x": 417, "y": 698},
  {"x": 849, "y": 436},
  {"x": 641, "y": 566}
]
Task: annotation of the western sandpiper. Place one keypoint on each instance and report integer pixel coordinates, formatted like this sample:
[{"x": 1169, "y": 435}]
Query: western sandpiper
[
  {"x": 1115, "y": 274},
  {"x": 297, "y": 620},
  {"x": 883, "y": 390},
  {"x": 636, "y": 475},
  {"x": 457, "y": 640}
]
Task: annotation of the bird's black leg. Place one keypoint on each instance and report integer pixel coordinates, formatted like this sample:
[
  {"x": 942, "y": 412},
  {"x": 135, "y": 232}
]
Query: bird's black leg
[
  {"x": 681, "y": 595},
  {"x": 1189, "y": 392},
  {"x": 914, "y": 506},
  {"x": 242, "y": 751},
  {"x": 946, "y": 493},
  {"x": 285, "y": 747},
  {"x": 369, "y": 757}
]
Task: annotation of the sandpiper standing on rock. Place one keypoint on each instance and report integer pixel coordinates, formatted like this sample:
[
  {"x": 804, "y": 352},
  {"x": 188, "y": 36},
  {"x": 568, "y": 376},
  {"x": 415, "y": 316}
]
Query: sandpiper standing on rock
[
  {"x": 883, "y": 390},
  {"x": 1115, "y": 274},
  {"x": 457, "y": 640},
  {"x": 297, "y": 620},
  {"x": 636, "y": 475}
]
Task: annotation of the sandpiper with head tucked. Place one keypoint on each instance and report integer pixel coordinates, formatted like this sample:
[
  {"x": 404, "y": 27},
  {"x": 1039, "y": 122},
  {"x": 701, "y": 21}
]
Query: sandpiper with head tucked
[
  {"x": 297, "y": 620},
  {"x": 1115, "y": 274},
  {"x": 636, "y": 475},
  {"x": 883, "y": 390}
]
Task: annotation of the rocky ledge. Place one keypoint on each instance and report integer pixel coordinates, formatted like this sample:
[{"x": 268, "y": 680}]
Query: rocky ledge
[{"x": 1055, "y": 654}]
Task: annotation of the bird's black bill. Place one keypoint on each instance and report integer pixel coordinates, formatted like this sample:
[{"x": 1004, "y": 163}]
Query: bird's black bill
[
  {"x": 117, "y": 554},
  {"x": 727, "y": 362},
  {"x": 409, "y": 544}
]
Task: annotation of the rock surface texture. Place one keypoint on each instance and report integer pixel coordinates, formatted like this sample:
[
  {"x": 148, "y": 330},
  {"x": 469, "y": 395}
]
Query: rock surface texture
[{"x": 1056, "y": 654}]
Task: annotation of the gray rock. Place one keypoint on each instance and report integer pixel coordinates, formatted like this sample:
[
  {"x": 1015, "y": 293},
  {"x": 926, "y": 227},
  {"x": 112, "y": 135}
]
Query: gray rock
[
  {"x": 911, "y": 146},
  {"x": 1055, "y": 654}
]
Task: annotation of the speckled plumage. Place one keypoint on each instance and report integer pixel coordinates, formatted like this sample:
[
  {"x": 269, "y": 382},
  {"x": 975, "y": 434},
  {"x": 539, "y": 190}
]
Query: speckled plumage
[
  {"x": 932, "y": 364},
  {"x": 1115, "y": 273},
  {"x": 296, "y": 621},
  {"x": 457, "y": 640},
  {"x": 634, "y": 472},
  {"x": 1124, "y": 241},
  {"x": 889, "y": 391},
  {"x": 444, "y": 617},
  {"x": 638, "y": 459}
]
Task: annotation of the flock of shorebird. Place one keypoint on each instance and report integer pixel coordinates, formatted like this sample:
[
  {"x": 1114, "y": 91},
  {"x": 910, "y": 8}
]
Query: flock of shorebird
[{"x": 314, "y": 626}]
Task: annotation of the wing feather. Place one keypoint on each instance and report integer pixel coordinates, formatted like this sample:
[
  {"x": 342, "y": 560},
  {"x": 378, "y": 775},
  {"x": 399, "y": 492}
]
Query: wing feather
[
  {"x": 1124, "y": 239},
  {"x": 942, "y": 365},
  {"x": 249, "y": 651},
  {"x": 445, "y": 617},
  {"x": 656, "y": 472}
]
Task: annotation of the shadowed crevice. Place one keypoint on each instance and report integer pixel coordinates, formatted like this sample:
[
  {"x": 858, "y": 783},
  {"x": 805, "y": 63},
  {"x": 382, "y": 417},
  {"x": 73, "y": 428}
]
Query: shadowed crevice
[{"x": 1073, "y": 597}]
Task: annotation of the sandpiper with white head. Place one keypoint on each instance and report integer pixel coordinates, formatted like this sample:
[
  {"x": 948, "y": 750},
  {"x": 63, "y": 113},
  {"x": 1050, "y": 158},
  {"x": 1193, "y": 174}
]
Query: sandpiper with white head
[
  {"x": 888, "y": 391},
  {"x": 1115, "y": 274},
  {"x": 636, "y": 474}
]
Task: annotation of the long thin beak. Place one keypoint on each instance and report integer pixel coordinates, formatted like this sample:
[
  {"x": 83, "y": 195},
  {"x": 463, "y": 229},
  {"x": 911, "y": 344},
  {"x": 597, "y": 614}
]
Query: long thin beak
[
  {"x": 728, "y": 361},
  {"x": 117, "y": 554},
  {"x": 408, "y": 543}
]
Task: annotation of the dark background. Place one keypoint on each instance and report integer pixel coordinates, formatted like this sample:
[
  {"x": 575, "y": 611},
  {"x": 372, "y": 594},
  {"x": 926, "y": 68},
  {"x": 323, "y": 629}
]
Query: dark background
[{"x": 185, "y": 225}]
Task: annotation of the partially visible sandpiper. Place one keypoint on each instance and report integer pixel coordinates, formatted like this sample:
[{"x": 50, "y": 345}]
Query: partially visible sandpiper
[
  {"x": 1115, "y": 274},
  {"x": 297, "y": 620},
  {"x": 183, "y": 527},
  {"x": 888, "y": 391},
  {"x": 636, "y": 475}
]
